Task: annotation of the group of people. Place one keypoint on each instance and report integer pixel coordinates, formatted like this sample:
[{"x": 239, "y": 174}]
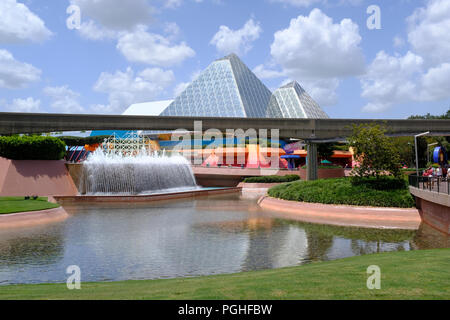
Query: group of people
[{"x": 440, "y": 173}]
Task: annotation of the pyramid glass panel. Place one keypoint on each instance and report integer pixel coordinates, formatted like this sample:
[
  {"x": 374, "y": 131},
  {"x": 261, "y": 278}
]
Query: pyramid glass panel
[
  {"x": 254, "y": 94},
  {"x": 292, "y": 101},
  {"x": 227, "y": 88}
]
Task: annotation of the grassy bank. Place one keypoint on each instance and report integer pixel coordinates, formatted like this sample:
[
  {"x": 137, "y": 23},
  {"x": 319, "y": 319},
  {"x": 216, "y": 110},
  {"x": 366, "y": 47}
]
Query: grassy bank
[
  {"x": 404, "y": 275},
  {"x": 342, "y": 191},
  {"x": 19, "y": 204}
]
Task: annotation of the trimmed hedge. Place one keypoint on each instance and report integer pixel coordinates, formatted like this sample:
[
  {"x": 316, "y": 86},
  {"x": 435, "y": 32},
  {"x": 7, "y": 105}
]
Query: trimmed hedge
[
  {"x": 342, "y": 191},
  {"x": 81, "y": 141},
  {"x": 382, "y": 183},
  {"x": 272, "y": 179},
  {"x": 32, "y": 148}
]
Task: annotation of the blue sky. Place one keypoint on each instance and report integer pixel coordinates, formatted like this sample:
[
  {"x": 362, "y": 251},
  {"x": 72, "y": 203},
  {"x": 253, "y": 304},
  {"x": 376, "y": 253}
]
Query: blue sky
[{"x": 141, "y": 50}]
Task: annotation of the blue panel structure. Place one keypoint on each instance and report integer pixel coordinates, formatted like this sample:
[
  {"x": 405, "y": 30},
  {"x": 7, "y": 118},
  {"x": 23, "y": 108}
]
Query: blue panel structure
[{"x": 440, "y": 155}]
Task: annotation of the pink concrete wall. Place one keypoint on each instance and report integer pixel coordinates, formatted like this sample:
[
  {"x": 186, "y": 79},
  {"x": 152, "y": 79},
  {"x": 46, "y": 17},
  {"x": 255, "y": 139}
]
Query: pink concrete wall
[
  {"x": 434, "y": 214},
  {"x": 35, "y": 177},
  {"x": 342, "y": 215}
]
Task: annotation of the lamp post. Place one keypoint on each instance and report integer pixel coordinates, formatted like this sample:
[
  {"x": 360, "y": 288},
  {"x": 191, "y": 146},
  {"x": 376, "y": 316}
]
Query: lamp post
[{"x": 417, "y": 153}]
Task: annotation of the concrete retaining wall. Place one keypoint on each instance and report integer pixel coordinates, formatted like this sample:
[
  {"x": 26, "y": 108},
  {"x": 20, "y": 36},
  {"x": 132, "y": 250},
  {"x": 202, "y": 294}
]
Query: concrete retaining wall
[
  {"x": 35, "y": 177},
  {"x": 434, "y": 208},
  {"x": 146, "y": 198},
  {"x": 367, "y": 217},
  {"x": 246, "y": 185},
  {"x": 33, "y": 218}
]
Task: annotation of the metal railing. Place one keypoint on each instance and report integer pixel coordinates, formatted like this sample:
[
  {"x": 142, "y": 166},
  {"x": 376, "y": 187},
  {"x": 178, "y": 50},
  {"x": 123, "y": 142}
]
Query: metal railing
[{"x": 435, "y": 184}]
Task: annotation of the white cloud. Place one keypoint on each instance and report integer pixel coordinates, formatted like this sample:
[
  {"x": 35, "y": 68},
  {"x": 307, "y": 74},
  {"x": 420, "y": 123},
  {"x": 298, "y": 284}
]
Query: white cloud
[
  {"x": 19, "y": 24},
  {"x": 398, "y": 42},
  {"x": 436, "y": 83},
  {"x": 127, "y": 22},
  {"x": 265, "y": 73},
  {"x": 390, "y": 80},
  {"x": 153, "y": 49},
  {"x": 236, "y": 41},
  {"x": 323, "y": 91},
  {"x": 308, "y": 3},
  {"x": 126, "y": 88},
  {"x": 317, "y": 53},
  {"x": 172, "y": 29},
  {"x": 172, "y": 4},
  {"x": 63, "y": 99},
  {"x": 314, "y": 46},
  {"x": 92, "y": 31},
  {"x": 15, "y": 74},
  {"x": 116, "y": 14},
  {"x": 429, "y": 31},
  {"x": 422, "y": 74},
  {"x": 24, "y": 105},
  {"x": 298, "y": 3}
]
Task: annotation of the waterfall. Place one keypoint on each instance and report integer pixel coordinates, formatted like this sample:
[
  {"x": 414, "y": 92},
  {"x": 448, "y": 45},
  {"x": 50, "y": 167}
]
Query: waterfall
[{"x": 145, "y": 173}]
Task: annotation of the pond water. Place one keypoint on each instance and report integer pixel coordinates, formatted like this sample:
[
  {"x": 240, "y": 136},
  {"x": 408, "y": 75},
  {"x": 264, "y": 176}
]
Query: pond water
[{"x": 184, "y": 238}]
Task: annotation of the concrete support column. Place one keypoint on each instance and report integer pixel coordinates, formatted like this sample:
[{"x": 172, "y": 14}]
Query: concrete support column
[{"x": 312, "y": 162}]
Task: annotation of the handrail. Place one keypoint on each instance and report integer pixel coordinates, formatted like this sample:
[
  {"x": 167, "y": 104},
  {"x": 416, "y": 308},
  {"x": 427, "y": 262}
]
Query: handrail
[{"x": 433, "y": 183}]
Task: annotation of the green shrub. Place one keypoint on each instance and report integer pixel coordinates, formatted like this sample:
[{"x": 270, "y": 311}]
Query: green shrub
[
  {"x": 341, "y": 192},
  {"x": 272, "y": 179},
  {"x": 32, "y": 148},
  {"x": 81, "y": 141},
  {"x": 380, "y": 183},
  {"x": 341, "y": 147},
  {"x": 412, "y": 169}
]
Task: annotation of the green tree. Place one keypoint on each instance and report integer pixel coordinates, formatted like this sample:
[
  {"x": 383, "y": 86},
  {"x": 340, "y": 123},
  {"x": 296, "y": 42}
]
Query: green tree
[
  {"x": 375, "y": 152},
  {"x": 405, "y": 148},
  {"x": 429, "y": 116},
  {"x": 325, "y": 150},
  {"x": 442, "y": 141}
]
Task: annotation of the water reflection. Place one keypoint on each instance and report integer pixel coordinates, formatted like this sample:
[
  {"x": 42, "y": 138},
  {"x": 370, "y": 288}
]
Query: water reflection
[{"x": 218, "y": 234}]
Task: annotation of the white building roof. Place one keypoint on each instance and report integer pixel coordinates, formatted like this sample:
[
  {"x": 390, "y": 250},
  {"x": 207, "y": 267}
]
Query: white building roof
[{"x": 153, "y": 108}]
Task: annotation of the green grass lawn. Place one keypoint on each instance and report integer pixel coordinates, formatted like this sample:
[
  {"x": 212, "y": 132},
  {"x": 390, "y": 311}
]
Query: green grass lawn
[
  {"x": 342, "y": 191},
  {"x": 423, "y": 274},
  {"x": 19, "y": 204}
]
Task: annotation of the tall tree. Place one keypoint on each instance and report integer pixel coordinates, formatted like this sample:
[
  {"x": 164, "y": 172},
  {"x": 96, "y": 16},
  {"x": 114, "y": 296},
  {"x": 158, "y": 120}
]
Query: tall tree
[{"x": 375, "y": 152}]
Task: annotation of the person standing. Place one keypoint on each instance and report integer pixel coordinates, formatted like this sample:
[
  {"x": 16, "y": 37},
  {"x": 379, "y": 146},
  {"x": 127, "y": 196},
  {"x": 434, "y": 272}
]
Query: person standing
[{"x": 438, "y": 175}]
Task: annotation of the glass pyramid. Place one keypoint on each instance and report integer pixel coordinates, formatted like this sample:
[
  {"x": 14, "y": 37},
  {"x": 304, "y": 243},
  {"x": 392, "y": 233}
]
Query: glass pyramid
[
  {"x": 227, "y": 88},
  {"x": 292, "y": 101}
]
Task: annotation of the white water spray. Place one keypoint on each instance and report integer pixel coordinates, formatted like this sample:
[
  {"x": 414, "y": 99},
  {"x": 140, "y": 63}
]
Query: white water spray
[{"x": 145, "y": 173}]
